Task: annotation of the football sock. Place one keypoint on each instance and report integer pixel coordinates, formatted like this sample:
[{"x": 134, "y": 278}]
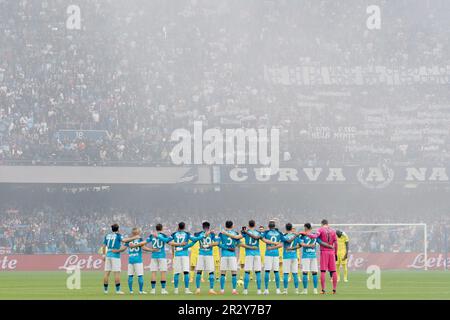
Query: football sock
[
  {"x": 334, "y": 277},
  {"x": 322, "y": 280},
  {"x": 277, "y": 279},
  {"x": 163, "y": 284},
  {"x": 234, "y": 281},
  {"x": 295, "y": 276},
  {"x": 141, "y": 283},
  {"x": 176, "y": 280},
  {"x": 246, "y": 280},
  {"x": 186, "y": 280},
  {"x": 198, "y": 278},
  {"x": 105, "y": 286},
  {"x": 222, "y": 282},
  {"x": 258, "y": 280},
  {"x": 315, "y": 280},
  {"x": 266, "y": 279},
  {"x": 285, "y": 280},
  {"x": 305, "y": 280},
  {"x": 211, "y": 280},
  {"x": 130, "y": 283},
  {"x": 153, "y": 284},
  {"x": 117, "y": 286}
]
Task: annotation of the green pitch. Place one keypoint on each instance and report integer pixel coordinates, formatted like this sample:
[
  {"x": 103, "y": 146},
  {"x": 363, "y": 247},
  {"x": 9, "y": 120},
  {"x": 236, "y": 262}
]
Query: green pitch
[{"x": 394, "y": 285}]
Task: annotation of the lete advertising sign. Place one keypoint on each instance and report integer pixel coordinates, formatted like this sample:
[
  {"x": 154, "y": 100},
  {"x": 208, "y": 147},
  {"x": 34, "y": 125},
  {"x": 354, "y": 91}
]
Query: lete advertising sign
[{"x": 357, "y": 261}]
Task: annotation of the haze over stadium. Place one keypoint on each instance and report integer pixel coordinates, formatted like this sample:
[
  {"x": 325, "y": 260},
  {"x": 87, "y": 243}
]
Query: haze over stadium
[{"x": 147, "y": 112}]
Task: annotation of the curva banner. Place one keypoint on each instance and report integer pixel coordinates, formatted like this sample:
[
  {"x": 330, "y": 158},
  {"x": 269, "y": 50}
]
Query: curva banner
[
  {"x": 86, "y": 262},
  {"x": 378, "y": 177}
]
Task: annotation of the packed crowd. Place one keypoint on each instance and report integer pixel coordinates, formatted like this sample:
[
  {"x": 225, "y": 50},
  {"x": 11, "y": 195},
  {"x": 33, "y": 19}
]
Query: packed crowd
[
  {"x": 46, "y": 230},
  {"x": 113, "y": 91}
]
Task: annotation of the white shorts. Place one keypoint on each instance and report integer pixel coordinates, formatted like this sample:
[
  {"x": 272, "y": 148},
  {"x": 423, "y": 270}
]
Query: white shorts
[
  {"x": 252, "y": 263},
  {"x": 290, "y": 266},
  {"x": 113, "y": 264},
  {"x": 135, "y": 269},
  {"x": 228, "y": 264},
  {"x": 181, "y": 264},
  {"x": 205, "y": 263},
  {"x": 158, "y": 264},
  {"x": 271, "y": 263},
  {"x": 310, "y": 265}
]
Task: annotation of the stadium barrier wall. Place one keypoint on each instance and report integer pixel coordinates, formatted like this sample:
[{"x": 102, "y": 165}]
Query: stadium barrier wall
[
  {"x": 86, "y": 262},
  {"x": 104, "y": 175}
]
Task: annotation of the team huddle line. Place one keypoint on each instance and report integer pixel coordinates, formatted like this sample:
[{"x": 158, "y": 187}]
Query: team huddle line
[{"x": 220, "y": 249}]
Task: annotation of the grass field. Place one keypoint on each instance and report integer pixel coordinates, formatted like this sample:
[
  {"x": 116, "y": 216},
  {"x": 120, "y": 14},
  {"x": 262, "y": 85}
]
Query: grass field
[{"x": 394, "y": 285}]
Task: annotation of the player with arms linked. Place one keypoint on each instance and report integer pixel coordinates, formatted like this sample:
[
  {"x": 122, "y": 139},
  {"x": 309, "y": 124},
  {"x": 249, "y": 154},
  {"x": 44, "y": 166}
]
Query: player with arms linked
[
  {"x": 290, "y": 242},
  {"x": 111, "y": 249},
  {"x": 229, "y": 240},
  {"x": 158, "y": 261},
  {"x": 252, "y": 255},
  {"x": 205, "y": 260},
  {"x": 135, "y": 262},
  {"x": 272, "y": 238},
  {"x": 328, "y": 253},
  {"x": 181, "y": 256}
]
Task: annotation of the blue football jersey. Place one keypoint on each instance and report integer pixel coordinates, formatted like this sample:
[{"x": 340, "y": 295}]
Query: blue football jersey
[
  {"x": 309, "y": 253},
  {"x": 134, "y": 254},
  {"x": 290, "y": 254},
  {"x": 180, "y": 237},
  {"x": 113, "y": 241},
  {"x": 274, "y": 236},
  {"x": 228, "y": 243},
  {"x": 252, "y": 242},
  {"x": 206, "y": 241},
  {"x": 159, "y": 242}
]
